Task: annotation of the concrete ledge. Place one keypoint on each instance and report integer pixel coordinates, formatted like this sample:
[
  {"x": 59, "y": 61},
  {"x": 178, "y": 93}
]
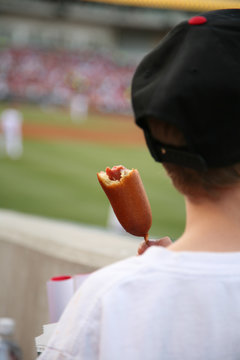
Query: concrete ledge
[{"x": 76, "y": 243}]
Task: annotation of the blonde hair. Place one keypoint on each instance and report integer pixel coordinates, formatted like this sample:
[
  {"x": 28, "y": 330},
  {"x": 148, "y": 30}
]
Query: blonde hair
[{"x": 188, "y": 181}]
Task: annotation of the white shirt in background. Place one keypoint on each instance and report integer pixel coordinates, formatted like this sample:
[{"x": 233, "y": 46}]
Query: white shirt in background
[{"x": 11, "y": 123}]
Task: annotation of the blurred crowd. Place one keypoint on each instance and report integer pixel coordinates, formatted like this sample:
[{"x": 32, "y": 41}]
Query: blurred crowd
[{"x": 56, "y": 77}]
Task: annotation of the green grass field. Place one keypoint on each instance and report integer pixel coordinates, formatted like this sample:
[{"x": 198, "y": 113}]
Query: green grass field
[{"x": 57, "y": 179}]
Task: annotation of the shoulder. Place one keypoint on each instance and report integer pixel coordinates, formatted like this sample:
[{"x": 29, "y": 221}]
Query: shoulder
[
  {"x": 82, "y": 316},
  {"x": 106, "y": 281},
  {"x": 101, "y": 281}
]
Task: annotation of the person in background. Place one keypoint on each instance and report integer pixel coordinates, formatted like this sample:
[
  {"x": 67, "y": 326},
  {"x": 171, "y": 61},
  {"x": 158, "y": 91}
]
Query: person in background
[
  {"x": 79, "y": 108},
  {"x": 180, "y": 301},
  {"x": 11, "y": 126}
]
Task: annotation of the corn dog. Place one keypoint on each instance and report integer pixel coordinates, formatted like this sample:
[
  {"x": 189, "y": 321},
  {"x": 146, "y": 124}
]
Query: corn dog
[{"x": 125, "y": 191}]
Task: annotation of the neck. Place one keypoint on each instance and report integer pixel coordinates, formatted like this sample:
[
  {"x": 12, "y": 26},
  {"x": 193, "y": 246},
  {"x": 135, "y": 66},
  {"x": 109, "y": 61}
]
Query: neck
[{"x": 212, "y": 225}]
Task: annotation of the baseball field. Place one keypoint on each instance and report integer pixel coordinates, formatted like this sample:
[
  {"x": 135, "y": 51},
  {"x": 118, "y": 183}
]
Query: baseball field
[{"x": 56, "y": 176}]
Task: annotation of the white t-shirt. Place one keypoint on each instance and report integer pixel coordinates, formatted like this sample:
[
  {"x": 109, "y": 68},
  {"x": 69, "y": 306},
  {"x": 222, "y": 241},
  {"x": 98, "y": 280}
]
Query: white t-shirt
[{"x": 162, "y": 305}]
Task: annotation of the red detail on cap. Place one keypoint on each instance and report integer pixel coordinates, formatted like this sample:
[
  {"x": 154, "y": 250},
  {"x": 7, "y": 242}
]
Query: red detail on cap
[
  {"x": 61, "y": 278},
  {"x": 197, "y": 20}
]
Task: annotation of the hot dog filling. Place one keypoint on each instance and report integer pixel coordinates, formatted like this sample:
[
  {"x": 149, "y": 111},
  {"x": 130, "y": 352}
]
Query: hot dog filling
[{"x": 114, "y": 174}]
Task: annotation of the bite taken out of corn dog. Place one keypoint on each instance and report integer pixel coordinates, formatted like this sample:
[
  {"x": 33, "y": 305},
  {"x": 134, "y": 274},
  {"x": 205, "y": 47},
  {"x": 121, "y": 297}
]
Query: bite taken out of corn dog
[{"x": 126, "y": 193}]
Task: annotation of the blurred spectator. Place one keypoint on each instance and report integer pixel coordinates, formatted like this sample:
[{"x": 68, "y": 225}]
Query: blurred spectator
[{"x": 79, "y": 108}]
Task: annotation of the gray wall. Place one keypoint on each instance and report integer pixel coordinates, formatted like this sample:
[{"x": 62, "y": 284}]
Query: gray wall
[{"x": 32, "y": 250}]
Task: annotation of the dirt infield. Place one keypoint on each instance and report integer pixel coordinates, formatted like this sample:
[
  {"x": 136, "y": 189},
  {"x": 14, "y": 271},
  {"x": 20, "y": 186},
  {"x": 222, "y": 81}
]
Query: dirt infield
[{"x": 51, "y": 132}]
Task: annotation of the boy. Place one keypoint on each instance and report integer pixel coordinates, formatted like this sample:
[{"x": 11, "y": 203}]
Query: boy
[{"x": 182, "y": 302}]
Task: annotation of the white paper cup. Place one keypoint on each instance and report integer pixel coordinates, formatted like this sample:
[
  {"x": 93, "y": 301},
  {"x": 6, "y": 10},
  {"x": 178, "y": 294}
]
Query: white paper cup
[{"x": 60, "y": 289}]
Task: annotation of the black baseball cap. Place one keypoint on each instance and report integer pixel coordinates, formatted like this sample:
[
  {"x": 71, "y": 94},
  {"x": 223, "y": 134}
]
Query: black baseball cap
[{"x": 192, "y": 80}]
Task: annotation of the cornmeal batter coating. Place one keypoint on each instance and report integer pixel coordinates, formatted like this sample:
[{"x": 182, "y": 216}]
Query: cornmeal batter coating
[{"x": 126, "y": 193}]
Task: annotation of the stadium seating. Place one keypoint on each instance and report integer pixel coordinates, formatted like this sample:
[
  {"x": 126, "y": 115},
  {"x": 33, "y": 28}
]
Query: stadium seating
[{"x": 54, "y": 77}]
